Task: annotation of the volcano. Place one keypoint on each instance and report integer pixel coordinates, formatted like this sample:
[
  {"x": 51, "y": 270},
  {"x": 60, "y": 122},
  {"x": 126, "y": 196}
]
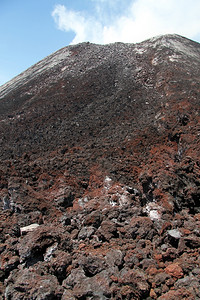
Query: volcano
[{"x": 99, "y": 173}]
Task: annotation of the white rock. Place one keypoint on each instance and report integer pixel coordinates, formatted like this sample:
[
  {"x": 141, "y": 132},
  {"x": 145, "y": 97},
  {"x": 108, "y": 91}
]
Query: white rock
[
  {"x": 50, "y": 251},
  {"x": 175, "y": 233},
  {"x": 26, "y": 229},
  {"x": 154, "y": 211}
]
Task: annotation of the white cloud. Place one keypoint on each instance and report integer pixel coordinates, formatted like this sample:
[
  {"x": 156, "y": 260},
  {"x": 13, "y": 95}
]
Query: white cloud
[
  {"x": 84, "y": 27},
  {"x": 130, "y": 21}
]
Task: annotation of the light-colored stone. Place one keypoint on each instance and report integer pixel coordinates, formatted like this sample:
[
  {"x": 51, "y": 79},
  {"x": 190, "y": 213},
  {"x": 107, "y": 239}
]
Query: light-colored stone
[
  {"x": 174, "y": 233},
  {"x": 26, "y": 229}
]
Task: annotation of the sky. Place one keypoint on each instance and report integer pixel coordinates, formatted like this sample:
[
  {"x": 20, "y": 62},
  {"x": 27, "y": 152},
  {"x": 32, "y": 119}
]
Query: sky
[{"x": 32, "y": 29}]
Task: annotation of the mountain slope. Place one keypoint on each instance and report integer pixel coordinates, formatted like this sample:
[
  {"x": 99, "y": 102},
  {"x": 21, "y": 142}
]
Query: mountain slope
[
  {"x": 99, "y": 146},
  {"x": 78, "y": 82}
]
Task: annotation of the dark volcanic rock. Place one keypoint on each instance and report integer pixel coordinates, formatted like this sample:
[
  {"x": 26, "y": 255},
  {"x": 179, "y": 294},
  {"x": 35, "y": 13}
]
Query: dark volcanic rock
[
  {"x": 29, "y": 285},
  {"x": 99, "y": 148}
]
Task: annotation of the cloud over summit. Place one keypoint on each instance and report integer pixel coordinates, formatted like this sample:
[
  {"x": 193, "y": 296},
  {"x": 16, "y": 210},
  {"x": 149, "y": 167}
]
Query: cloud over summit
[{"x": 129, "y": 21}]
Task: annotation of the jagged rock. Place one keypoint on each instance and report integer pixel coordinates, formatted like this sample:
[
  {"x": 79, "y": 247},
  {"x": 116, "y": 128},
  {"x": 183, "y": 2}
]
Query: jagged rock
[
  {"x": 96, "y": 286},
  {"x": 103, "y": 154},
  {"x": 86, "y": 232},
  {"x": 28, "y": 285},
  {"x": 32, "y": 247},
  {"x": 107, "y": 230},
  {"x": 137, "y": 279},
  {"x": 68, "y": 295},
  {"x": 92, "y": 265},
  {"x": 59, "y": 264},
  {"x": 6, "y": 264},
  {"x": 94, "y": 219},
  {"x": 177, "y": 294},
  {"x": 141, "y": 228},
  {"x": 174, "y": 270},
  {"x": 191, "y": 283},
  {"x": 131, "y": 259},
  {"x": 161, "y": 278},
  {"x": 66, "y": 198},
  {"x": 192, "y": 241},
  {"x": 76, "y": 276},
  {"x": 114, "y": 257},
  {"x": 170, "y": 254}
]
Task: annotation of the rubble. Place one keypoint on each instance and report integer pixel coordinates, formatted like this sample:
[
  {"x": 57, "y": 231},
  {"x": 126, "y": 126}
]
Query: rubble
[{"x": 99, "y": 174}]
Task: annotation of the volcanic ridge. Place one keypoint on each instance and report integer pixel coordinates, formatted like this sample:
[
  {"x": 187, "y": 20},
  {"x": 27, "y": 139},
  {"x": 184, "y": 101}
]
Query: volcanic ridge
[{"x": 99, "y": 174}]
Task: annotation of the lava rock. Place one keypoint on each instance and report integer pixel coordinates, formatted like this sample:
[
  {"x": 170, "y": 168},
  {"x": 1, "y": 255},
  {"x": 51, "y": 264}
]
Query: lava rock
[{"x": 28, "y": 285}]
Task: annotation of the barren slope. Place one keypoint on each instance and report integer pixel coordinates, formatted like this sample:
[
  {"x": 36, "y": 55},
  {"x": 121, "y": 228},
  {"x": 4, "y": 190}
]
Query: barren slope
[{"x": 99, "y": 145}]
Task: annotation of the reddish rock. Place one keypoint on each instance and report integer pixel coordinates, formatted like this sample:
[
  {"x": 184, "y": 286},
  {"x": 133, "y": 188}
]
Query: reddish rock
[
  {"x": 152, "y": 271},
  {"x": 107, "y": 230},
  {"x": 103, "y": 154},
  {"x": 179, "y": 294},
  {"x": 174, "y": 270},
  {"x": 137, "y": 279},
  {"x": 114, "y": 278},
  {"x": 94, "y": 219},
  {"x": 166, "y": 225},
  {"x": 185, "y": 231},
  {"x": 8, "y": 264},
  {"x": 153, "y": 294},
  {"x": 158, "y": 257},
  {"x": 126, "y": 291},
  {"x": 82, "y": 246}
]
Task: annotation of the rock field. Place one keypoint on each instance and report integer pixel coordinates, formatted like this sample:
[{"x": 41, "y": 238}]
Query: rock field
[{"x": 100, "y": 174}]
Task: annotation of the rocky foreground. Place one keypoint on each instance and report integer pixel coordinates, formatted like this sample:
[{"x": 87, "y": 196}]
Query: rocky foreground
[{"x": 99, "y": 174}]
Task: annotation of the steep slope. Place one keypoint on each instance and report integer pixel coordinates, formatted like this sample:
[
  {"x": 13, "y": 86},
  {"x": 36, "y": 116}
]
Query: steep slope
[
  {"x": 79, "y": 84},
  {"x": 99, "y": 146}
]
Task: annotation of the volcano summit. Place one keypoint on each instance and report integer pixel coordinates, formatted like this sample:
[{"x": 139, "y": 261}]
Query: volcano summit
[{"x": 99, "y": 174}]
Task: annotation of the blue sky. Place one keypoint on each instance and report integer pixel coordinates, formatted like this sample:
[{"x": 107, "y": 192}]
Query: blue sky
[{"x": 33, "y": 29}]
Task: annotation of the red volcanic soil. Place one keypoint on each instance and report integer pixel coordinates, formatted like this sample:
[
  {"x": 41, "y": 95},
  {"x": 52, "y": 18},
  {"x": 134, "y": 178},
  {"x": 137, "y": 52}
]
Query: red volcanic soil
[{"x": 99, "y": 156}]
